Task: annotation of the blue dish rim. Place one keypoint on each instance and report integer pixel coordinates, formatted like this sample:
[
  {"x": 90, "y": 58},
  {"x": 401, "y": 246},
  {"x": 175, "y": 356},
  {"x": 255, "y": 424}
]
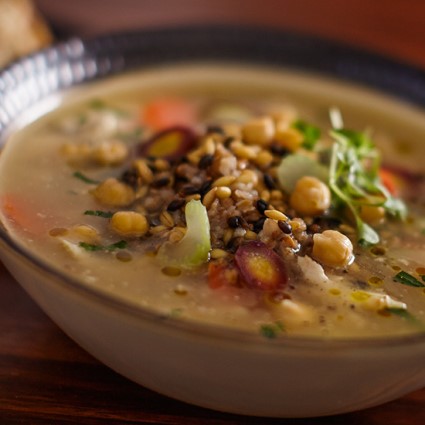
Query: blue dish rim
[{"x": 79, "y": 61}]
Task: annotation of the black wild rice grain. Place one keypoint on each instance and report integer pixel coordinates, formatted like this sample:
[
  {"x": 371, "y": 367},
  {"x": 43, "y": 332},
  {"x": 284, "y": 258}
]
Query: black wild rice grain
[
  {"x": 314, "y": 228},
  {"x": 161, "y": 182},
  {"x": 215, "y": 129},
  {"x": 205, "y": 187},
  {"x": 261, "y": 206},
  {"x": 269, "y": 182},
  {"x": 227, "y": 141},
  {"x": 285, "y": 227},
  {"x": 259, "y": 224},
  {"x": 206, "y": 161},
  {"x": 175, "y": 205},
  {"x": 234, "y": 221},
  {"x": 189, "y": 190},
  {"x": 130, "y": 177},
  {"x": 234, "y": 244},
  {"x": 278, "y": 150}
]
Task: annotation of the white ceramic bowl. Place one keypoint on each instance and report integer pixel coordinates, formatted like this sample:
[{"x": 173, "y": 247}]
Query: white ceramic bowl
[{"x": 218, "y": 368}]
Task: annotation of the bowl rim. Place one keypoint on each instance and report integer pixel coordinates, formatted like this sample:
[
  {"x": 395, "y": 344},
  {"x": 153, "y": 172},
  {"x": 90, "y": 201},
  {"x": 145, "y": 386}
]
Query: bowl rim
[{"x": 79, "y": 61}]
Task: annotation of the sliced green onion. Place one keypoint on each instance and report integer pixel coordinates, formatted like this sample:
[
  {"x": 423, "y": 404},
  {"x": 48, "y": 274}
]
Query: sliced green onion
[
  {"x": 84, "y": 178},
  {"x": 407, "y": 279},
  {"x": 90, "y": 247},
  {"x": 99, "y": 213}
]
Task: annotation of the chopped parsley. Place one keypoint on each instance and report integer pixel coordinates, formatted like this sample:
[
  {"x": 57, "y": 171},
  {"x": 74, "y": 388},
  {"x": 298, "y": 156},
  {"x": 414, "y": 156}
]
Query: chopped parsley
[
  {"x": 99, "y": 213},
  {"x": 407, "y": 279},
  {"x": 90, "y": 247},
  {"x": 84, "y": 178},
  {"x": 271, "y": 330}
]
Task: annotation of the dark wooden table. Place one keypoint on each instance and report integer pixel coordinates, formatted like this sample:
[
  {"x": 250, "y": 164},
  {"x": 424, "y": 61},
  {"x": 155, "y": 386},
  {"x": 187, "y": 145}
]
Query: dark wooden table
[{"x": 45, "y": 378}]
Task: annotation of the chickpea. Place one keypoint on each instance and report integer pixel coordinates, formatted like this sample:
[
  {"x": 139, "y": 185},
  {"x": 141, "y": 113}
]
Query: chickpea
[
  {"x": 288, "y": 137},
  {"x": 310, "y": 196},
  {"x": 332, "y": 248},
  {"x": 372, "y": 214},
  {"x": 110, "y": 153},
  {"x": 259, "y": 131},
  {"x": 76, "y": 152},
  {"x": 129, "y": 223},
  {"x": 114, "y": 193}
]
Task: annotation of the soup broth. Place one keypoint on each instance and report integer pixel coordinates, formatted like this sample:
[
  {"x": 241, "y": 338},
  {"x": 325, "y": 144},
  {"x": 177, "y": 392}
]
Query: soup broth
[{"x": 227, "y": 196}]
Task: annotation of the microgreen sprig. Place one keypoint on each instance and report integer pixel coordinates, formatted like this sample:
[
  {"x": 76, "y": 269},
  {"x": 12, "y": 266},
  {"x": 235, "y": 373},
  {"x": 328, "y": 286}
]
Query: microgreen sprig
[{"x": 354, "y": 179}]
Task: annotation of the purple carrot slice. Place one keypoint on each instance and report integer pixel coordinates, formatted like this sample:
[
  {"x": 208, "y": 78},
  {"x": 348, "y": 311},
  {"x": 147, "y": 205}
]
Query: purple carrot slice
[
  {"x": 171, "y": 143},
  {"x": 260, "y": 267}
]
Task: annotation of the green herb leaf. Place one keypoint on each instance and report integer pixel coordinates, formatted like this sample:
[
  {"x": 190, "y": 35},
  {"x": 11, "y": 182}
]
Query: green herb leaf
[
  {"x": 131, "y": 135},
  {"x": 310, "y": 132},
  {"x": 176, "y": 312},
  {"x": 99, "y": 213},
  {"x": 84, "y": 178},
  {"x": 90, "y": 247},
  {"x": 366, "y": 234},
  {"x": 101, "y": 105},
  {"x": 271, "y": 330},
  {"x": 398, "y": 312},
  {"x": 97, "y": 104},
  {"x": 405, "y": 314},
  {"x": 407, "y": 279}
]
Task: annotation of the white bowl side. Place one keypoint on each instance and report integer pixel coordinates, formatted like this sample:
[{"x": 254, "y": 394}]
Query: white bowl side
[{"x": 231, "y": 376}]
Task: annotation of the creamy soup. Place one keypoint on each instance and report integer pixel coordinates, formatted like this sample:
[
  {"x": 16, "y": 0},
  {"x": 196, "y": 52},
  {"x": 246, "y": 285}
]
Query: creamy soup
[{"x": 251, "y": 199}]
